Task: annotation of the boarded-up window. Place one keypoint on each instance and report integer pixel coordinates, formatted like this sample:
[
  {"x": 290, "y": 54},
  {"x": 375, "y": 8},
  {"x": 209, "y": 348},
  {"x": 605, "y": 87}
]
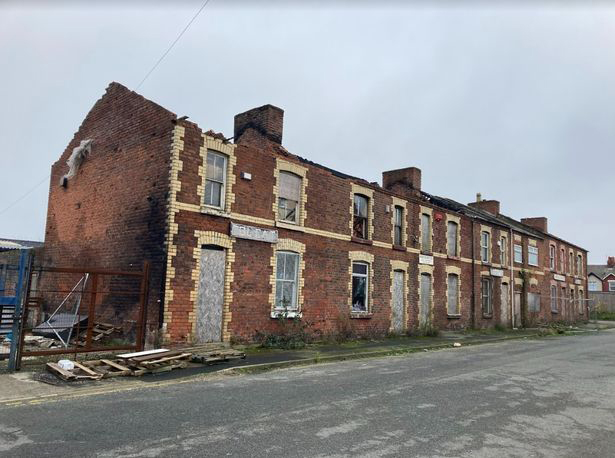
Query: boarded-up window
[
  {"x": 289, "y": 197},
  {"x": 533, "y": 302},
  {"x": 425, "y": 233},
  {"x": 579, "y": 265},
  {"x": 451, "y": 238},
  {"x": 486, "y": 294},
  {"x": 359, "y": 223},
  {"x": 425, "y": 312},
  {"x": 503, "y": 251},
  {"x": 287, "y": 268},
  {"x": 453, "y": 295},
  {"x": 553, "y": 298},
  {"x": 360, "y": 286},
  {"x": 215, "y": 181}
]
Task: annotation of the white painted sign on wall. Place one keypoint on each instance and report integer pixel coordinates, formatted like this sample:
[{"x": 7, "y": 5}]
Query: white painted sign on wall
[
  {"x": 424, "y": 259},
  {"x": 242, "y": 231},
  {"x": 558, "y": 277},
  {"x": 497, "y": 273}
]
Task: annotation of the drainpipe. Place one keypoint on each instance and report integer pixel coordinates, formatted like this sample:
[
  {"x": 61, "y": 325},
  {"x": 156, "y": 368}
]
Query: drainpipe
[
  {"x": 472, "y": 304},
  {"x": 512, "y": 279}
]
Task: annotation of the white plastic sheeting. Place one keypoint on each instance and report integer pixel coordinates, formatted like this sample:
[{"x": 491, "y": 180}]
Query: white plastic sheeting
[{"x": 76, "y": 158}]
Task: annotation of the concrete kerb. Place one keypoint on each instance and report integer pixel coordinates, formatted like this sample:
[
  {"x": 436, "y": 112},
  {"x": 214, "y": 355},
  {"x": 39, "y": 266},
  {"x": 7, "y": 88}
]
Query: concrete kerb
[{"x": 264, "y": 367}]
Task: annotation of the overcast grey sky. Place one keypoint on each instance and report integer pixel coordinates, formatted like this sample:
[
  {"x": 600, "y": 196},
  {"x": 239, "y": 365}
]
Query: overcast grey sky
[{"x": 515, "y": 102}]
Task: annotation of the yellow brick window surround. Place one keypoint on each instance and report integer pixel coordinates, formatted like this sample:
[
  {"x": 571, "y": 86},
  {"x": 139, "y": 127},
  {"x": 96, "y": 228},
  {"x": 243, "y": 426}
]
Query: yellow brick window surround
[
  {"x": 428, "y": 211},
  {"x": 367, "y": 258},
  {"x": 292, "y": 246},
  {"x": 453, "y": 270},
  {"x": 216, "y": 145},
  {"x": 402, "y": 266},
  {"x": 397, "y": 202},
  {"x": 224, "y": 241},
  {"x": 296, "y": 169},
  {"x": 369, "y": 193}
]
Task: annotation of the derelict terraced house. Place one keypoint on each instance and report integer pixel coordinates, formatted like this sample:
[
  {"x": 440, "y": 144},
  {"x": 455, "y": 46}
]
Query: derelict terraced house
[{"x": 241, "y": 232}]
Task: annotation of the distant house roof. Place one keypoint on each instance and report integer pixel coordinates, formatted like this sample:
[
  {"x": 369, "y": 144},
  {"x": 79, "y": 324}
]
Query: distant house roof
[
  {"x": 600, "y": 271},
  {"x": 12, "y": 244}
]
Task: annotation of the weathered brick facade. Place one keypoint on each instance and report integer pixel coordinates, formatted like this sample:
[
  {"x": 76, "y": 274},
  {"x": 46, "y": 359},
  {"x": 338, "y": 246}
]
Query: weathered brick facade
[{"x": 140, "y": 195}]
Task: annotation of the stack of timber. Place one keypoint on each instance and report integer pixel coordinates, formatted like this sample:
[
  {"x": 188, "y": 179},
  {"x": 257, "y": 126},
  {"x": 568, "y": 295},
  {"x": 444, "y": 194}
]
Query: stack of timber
[{"x": 155, "y": 361}]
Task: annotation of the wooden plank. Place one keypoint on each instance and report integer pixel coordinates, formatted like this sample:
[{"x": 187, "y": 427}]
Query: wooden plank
[
  {"x": 167, "y": 359},
  {"x": 115, "y": 365},
  {"x": 65, "y": 375},
  {"x": 87, "y": 370},
  {"x": 168, "y": 354},
  {"x": 142, "y": 353}
]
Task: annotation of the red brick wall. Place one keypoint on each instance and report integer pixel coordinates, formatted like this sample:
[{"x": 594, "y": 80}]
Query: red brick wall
[{"x": 112, "y": 213}]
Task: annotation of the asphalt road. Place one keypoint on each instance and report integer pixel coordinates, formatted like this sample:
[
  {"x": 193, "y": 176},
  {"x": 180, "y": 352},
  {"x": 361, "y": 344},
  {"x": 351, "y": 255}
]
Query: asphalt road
[{"x": 549, "y": 397}]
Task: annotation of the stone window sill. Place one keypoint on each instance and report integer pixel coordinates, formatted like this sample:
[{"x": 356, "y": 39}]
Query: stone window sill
[
  {"x": 361, "y": 315},
  {"x": 400, "y": 248},
  {"x": 427, "y": 253},
  {"x": 361, "y": 241},
  {"x": 554, "y": 312},
  {"x": 289, "y": 226},
  {"x": 206, "y": 210},
  {"x": 454, "y": 317},
  {"x": 488, "y": 316},
  {"x": 455, "y": 258}
]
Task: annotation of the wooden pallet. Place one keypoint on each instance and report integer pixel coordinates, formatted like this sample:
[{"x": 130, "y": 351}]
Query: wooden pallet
[
  {"x": 108, "y": 368},
  {"x": 216, "y": 357},
  {"x": 80, "y": 372}
]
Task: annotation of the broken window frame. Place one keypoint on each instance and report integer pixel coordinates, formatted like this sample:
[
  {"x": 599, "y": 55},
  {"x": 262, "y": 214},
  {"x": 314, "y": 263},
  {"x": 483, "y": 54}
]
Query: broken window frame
[
  {"x": 357, "y": 278},
  {"x": 289, "y": 209},
  {"x": 208, "y": 200},
  {"x": 398, "y": 229},
  {"x": 360, "y": 216}
]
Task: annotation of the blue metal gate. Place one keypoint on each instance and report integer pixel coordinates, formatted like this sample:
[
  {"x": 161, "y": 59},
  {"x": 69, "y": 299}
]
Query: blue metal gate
[{"x": 15, "y": 262}]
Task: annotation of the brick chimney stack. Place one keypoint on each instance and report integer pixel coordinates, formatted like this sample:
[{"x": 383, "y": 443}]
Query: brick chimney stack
[
  {"x": 406, "y": 182},
  {"x": 267, "y": 120},
  {"x": 610, "y": 262},
  {"x": 491, "y": 206},
  {"x": 539, "y": 223}
]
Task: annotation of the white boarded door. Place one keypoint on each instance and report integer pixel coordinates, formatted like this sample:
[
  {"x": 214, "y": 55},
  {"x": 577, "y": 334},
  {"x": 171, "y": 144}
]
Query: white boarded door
[
  {"x": 398, "y": 320},
  {"x": 425, "y": 305},
  {"x": 504, "y": 304},
  {"x": 210, "y": 298}
]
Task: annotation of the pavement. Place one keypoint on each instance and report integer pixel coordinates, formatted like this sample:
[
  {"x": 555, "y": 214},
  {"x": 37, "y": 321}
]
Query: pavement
[
  {"x": 26, "y": 385},
  {"x": 523, "y": 397}
]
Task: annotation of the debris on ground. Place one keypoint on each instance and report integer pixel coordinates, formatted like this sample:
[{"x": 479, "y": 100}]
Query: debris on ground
[
  {"x": 456, "y": 344},
  {"x": 140, "y": 363}
]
